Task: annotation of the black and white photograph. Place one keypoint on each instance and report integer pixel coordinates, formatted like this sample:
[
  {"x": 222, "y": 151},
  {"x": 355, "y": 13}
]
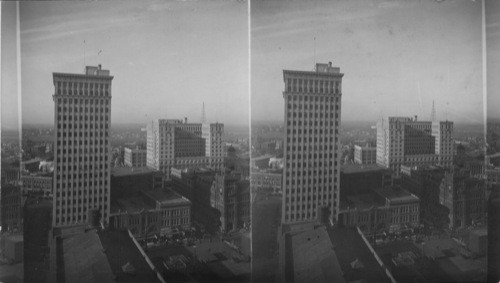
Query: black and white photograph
[
  {"x": 125, "y": 156},
  {"x": 368, "y": 141},
  {"x": 250, "y": 141}
]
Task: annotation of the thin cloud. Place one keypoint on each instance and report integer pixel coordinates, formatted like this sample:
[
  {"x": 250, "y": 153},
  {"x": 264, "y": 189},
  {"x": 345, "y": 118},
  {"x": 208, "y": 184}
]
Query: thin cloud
[
  {"x": 158, "y": 7},
  {"x": 67, "y": 30}
]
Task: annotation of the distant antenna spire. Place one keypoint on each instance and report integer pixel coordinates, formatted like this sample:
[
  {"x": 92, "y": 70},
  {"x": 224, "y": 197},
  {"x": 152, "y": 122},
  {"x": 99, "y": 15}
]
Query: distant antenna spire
[
  {"x": 203, "y": 120},
  {"x": 446, "y": 112},
  {"x": 315, "y": 51},
  {"x": 84, "y": 54},
  {"x": 433, "y": 113}
]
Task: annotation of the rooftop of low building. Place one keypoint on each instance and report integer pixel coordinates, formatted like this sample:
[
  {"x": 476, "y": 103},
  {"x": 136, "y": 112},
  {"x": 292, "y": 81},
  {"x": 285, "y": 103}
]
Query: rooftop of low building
[
  {"x": 310, "y": 257},
  {"x": 167, "y": 197},
  {"x": 360, "y": 202},
  {"x": 126, "y": 171},
  {"x": 83, "y": 259},
  {"x": 355, "y": 258},
  {"x": 125, "y": 259},
  {"x": 395, "y": 194},
  {"x": 361, "y": 168}
]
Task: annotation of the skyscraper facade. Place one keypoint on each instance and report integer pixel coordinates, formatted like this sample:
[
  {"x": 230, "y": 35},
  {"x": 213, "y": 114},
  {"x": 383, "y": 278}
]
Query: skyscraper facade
[
  {"x": 82, "y": 118},
  {"x": 177, "y": 144},
  {"x": 311, "y": 174},
  {"x": 406, "y": 141}
]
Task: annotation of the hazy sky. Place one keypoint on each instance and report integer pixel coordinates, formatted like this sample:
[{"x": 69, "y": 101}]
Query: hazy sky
[
  {"x": 493, "y": 58},
  {"x": 397, "y": 56},
  {"x": 9, "y": 99},
  {"x": 167, "y": 57}
]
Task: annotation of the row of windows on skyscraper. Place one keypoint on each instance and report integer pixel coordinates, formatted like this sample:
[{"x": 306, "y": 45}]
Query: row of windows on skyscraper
[
  {"x": 78, "y": 102},
  {"x": 312, "y": 86},
  {"x": 81, "y": 88}
]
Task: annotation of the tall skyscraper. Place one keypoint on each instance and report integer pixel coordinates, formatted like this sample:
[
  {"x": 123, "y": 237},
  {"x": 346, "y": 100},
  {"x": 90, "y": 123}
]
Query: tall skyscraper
[
  {"x": 82, "y": 118},
  {"x": 406, "y": 141},
  {"x": 312, "y": 121},
  {"x": 177, "y": 144}
]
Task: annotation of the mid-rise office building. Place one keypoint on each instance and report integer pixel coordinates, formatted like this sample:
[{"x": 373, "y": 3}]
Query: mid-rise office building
[
  {"x": 358, "y": 179},
  {"x": 128, "y": 181},
  {"x": 82, "y": 120},
  {"x": 311, "y": 151},
  {"x": 37, "y": 227},
  {"x": 266, "y": 180},
  {"x": 178, "y": 144},
  {"x": 195, "y": 185},
  {"x": 425, "y": 182},
  {"x": 11, "y": 208},
  {"x": 231, "y": 197},
  {"x": 37, "y": 184},
  {"x": 365, "y": 154},
  {"x": 10, "y": 174},
  {"x": 465, "y": 197},
  {"x": 134, "y": 157},
  {"x": 406, "y": 141}
]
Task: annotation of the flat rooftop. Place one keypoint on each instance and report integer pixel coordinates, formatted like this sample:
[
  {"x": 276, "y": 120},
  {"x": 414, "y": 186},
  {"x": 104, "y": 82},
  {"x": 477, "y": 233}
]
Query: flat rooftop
[
  {"x": 361, "y": 202},
  {"x": 167, "y": 197},
  {"x": 125, "y": 171},
  {"x": 366, "y": 147},
  {"x": 125, "y": 259},
  {"x": 133, "y": 204},
  {"x": 310, "y": 256},
  {"x": 356, "y": 261},
  {"x": 480, "y": 231},
  {"x": 33, "y": 160},
  {"x": 396, "y": 195},
  {"x": 18, "y": 237},
  {"x": 84, "y": 259},
  {"x": 263, "y": 157},
  {"x": 361, "y": 168}
]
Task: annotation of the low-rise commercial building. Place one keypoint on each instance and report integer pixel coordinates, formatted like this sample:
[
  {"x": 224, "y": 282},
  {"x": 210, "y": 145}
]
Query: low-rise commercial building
[
  {"x": 151, "y": 213},
  {"x": 381, "y": 210},
  {"x": 100, "y": 256},
  {"x": 311, "y": 252}
]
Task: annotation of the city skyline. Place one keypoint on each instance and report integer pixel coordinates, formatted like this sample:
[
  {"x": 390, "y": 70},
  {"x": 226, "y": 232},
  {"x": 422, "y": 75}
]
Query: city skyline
[
  {"x": 459, "y": 25},
  {"x": 249, "y": 141},
  {"x": 167, "y": 57}
]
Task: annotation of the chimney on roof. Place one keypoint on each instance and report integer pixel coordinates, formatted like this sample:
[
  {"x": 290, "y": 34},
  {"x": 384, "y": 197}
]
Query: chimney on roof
[
  {"x": 415, "y": 118},
  {"x": 185, "y": 120},
  {"x": 329, "y": 64},
  {"x": 99, "y": 66}
]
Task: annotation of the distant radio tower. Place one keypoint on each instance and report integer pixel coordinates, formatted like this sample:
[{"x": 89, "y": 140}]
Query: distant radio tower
[
  {"x": 84, "y": 55},
  {"x": 203, "y": 121},
  {"x": 433, "y": 113}
]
